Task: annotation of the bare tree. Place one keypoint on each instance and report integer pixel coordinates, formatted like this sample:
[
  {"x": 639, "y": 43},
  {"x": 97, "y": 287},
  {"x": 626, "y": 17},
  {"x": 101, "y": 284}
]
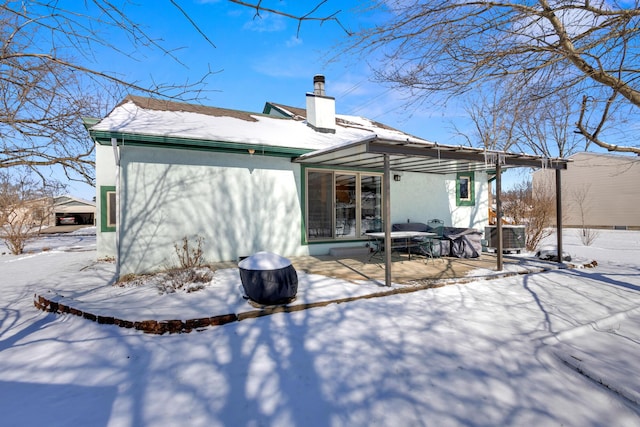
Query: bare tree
[
  {"x": 534, "y": 207},
  {"x": 547, "y": 128},
  {"x": 581, "y": 201},
  {"x": 312, "y": 13},
  {"x": 546, "y": 49},
  {"x": 494, "y": 119},
  {"x": 50, "y": 78},
  {"x": 41, "y": 106},
  {"x": 26, "y": 204}
]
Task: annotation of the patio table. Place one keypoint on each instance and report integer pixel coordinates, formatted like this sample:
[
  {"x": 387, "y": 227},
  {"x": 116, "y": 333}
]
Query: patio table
[{"x": 399, "y": 239}]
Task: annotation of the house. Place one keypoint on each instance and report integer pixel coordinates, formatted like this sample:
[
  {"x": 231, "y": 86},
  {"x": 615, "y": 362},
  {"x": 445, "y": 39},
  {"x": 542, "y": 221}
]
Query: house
[
  {"x": 49, "y": 211},
  {"x": 600, "y": 191},
  {"x": 78, "y": 211},
  {"x": 288, "y": 180}
]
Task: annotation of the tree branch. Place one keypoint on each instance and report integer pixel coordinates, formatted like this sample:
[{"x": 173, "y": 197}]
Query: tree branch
[{"x": 306, "y": 17}]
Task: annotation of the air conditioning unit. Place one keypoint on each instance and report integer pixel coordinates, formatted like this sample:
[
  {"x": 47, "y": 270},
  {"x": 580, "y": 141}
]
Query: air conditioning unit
[{"x": 513, "y": 237}]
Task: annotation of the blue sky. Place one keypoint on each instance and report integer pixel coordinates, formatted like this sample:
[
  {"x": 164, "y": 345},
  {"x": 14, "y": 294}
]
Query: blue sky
[{"x": 260, "y": 59}]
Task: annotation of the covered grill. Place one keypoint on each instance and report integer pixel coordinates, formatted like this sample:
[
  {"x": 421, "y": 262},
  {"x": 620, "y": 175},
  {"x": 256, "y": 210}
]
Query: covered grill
[{"x": 268, "y": 278}]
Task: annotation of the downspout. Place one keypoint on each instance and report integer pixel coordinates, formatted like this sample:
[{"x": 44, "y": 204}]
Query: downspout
[{"x": 116, "y": 156}]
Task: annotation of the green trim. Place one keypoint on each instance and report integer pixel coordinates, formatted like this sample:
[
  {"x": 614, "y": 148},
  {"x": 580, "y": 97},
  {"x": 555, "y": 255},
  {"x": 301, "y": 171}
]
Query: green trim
[
  {"x": 104, "y": 212},
  {"x": 87, "y": 122},
  {"x": 471, "y": 201},
  {"x": 155, "y": 141},
  {"x": 303, "y": 205},
  {"x": 268, "y": 107}
]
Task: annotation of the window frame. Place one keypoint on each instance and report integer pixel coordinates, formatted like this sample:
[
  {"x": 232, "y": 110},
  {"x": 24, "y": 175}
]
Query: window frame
[
  {"x": 108, "y": 224},
  {"x": 359, "y": 174},
  {"x": 471, "y": 199}
]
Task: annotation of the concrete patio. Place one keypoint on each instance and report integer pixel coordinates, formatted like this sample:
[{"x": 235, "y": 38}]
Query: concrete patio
[{"x": 418, "y": 270}]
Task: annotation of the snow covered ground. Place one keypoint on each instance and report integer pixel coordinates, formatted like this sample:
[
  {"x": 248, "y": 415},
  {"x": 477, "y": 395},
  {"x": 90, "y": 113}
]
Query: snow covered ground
[{"x": 509, "y": 351}]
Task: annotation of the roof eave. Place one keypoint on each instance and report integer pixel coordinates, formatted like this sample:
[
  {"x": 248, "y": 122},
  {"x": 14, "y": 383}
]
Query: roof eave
[{"x": 161, "y": 141}]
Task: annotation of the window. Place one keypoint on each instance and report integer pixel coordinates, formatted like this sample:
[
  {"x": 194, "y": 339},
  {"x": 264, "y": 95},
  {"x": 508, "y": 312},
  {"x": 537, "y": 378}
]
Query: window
[
  {"x": 465, "y": 194},
  {"x": 319, "y": 205},
  {"x": 342, "y": 204},
  {"x": 108, "y": 212},
  {"x": 346, "y": 205}
]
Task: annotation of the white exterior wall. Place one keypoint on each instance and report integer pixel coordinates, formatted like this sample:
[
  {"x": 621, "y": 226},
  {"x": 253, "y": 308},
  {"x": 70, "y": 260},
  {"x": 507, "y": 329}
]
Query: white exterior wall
[
  {"x": 105, "y": 176},
  {"x": 476, "y": 216},
  {"x": 240, "y": 204},
  {"x": 419, "y": 197}
]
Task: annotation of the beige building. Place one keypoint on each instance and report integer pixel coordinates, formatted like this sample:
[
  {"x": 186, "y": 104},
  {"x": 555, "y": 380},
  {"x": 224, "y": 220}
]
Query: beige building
[
  {"x": 598, "y": 190},
  {"x": 74, "y": 210},
  {"x": 49, "y": 211}
]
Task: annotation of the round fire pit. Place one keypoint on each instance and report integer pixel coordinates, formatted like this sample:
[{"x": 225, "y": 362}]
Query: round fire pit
[{"x": 268, "y": 278}]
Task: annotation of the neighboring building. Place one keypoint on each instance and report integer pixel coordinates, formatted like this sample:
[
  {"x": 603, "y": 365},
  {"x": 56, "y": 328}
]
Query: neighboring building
[
  {"x": 39, "y": 214},
  {"x": 26, "y": 214},
  {"x": 599, "y": 191},
  {"x": 291, "y": 181},
  {"x": 73, "y": 210},
  {"x": 48, "y": 211}
]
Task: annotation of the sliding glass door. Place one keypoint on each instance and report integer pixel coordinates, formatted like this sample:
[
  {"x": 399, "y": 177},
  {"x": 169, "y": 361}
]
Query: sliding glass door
[
  {"x": 370, "y": 203},
  {"x": 342, "y": 204}
]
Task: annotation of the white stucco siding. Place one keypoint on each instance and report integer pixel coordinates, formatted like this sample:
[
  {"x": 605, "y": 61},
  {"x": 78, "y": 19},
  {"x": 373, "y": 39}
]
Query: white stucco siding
[
  {"x": 476, "y": 216},
  {"x": 105, "y": 176},
  {"x": 240, "y": 204},
  {"x": 420, "y": 197}
]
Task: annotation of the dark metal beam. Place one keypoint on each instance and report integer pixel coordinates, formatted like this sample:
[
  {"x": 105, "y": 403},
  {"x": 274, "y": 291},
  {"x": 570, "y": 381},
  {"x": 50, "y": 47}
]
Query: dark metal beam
[
  {"x": 458, "y": 154},
  {"x": 387, "y": 220},
  {"x": 499, "y": 249},
  {"x": 559, "y": 213}
]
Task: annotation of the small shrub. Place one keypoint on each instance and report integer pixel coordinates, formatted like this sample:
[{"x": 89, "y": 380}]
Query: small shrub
[
  {"x": 188, "y": 280},
  {"x": 16, "y": 238},
  {"x": 533, "y": 206},
  {"x": 189, "y": 275},
  {"x": 171, "y": 280},
  {"x": 131, "y": 280},
  {"x": 188, "y": 255},
  {"x": 588, "y": 235}
]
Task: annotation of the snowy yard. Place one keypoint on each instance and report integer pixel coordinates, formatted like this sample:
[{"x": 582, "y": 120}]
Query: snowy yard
[{"x": 501, "y": 352}]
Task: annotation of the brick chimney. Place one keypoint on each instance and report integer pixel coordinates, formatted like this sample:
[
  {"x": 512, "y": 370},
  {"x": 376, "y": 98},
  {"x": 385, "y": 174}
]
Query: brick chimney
[{"x": 321, "y": 109}]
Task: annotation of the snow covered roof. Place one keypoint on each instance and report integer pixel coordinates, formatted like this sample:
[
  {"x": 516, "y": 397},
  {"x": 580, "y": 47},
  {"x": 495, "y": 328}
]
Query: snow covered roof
[
  {"x": 168, "y": 119},
  {"x": 283, "y": 131},
  {"x": 68, "y": 200}
]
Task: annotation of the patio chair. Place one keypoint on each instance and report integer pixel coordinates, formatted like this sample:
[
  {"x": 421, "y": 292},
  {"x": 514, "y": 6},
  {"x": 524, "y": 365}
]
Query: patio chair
[
  {"x": 376, "y": 225},
  {"x": 425, "y": 247},
  {"x": 436, "y": 226}
]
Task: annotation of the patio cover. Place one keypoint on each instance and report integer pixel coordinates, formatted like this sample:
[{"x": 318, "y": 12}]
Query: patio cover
[{"x": 417, "y": 155}]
